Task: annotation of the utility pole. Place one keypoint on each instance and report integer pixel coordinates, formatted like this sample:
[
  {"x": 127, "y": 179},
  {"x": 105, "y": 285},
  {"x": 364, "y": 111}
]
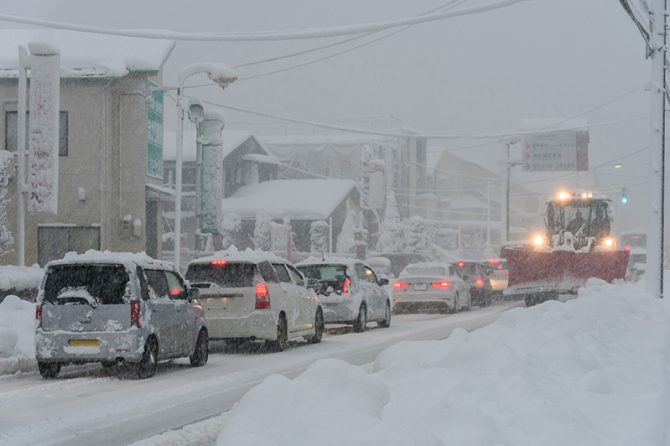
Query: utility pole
[
  {"x": 655, "y": 242},
  {"x": 21, "y": 161}
]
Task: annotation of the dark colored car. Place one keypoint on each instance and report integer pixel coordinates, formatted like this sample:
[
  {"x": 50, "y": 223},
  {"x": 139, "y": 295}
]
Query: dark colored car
[{"x": 477, "y": 275}]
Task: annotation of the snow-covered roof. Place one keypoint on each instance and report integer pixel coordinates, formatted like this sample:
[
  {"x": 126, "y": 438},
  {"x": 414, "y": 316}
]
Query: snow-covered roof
[
  {"x": 87, "y": 55},
  {"x": 232, "y": 139},
  {"x": 128, "y": 259},
  {"x": 323, "y": 139},
  {"x": 233, "y": 255},
  {"x": 298, "y": 199}
]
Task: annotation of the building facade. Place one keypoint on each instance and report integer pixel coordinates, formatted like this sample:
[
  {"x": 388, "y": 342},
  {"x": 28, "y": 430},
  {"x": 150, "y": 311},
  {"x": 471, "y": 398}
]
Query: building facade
[{"x": 109, "y": 190}]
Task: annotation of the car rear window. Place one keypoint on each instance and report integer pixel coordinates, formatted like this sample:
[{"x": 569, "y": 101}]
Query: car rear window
[
  {"x": 87, "y": 285},
  {"x": 228, "y": 275},
  {"x": 323, "y": 272}
]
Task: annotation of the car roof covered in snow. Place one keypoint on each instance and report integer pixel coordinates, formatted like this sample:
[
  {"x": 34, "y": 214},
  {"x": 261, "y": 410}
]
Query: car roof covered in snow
[
  {"x": 20, "y": 277},
  {"x": 87, "y": 55},
  {"x": 330, "y": 260},
  {"x": 246, "y": 256},
  {"x": 128, "y": 259}
]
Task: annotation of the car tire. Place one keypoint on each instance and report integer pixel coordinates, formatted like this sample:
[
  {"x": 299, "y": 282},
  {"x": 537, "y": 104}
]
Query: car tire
[
  {"x": 147, "y": 366},
  {"x": 361, "y": 322},
  {"x": 386, "y": 322},
  {"x": 108, "y": 364},
  {"x": 201, "y": 352},
  {"x": 48, "y": 370},
  {"x": 319, "y": 327},
  {"x": 281, "y": 342}
]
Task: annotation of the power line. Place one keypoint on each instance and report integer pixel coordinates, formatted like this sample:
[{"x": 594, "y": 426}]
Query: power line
[
  {"x": 449, "y": 4},
  {"x": 407, "y": 135},
  {"x": 312, "y": 33}
]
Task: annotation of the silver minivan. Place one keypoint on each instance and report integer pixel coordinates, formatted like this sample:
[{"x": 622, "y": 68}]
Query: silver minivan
[{"x": 117, "y": 308}]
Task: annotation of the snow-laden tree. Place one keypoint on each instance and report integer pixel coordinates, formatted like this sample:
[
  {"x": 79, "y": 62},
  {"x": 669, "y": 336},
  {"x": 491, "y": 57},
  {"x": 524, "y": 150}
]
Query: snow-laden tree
[
  {"x": 6, "y": 239},
  {"x": 319, "y": 232},
  {"x": 346, "y": 240},
  {"x": 231, "y": 229},
  {"x": 392, "y": 236},
  {"x": 262, "y": 232}
]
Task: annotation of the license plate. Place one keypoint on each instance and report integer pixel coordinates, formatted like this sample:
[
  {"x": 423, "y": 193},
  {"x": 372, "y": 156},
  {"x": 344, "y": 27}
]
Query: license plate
[
  {"x": 84, "y": 342},
  {"x": 420, "y": 286}
]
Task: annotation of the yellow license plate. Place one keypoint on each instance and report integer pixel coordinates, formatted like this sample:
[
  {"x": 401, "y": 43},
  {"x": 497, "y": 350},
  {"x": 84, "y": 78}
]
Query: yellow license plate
[{"x": 84, "y": 342}]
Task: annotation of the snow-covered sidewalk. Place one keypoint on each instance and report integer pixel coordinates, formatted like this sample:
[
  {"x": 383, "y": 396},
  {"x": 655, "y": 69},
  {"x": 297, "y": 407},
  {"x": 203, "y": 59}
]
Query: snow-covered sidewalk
[{"x": 590, "y": 371}]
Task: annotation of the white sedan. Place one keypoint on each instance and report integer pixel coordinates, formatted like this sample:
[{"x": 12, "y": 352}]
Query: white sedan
[{"x": 423, "y": 286}]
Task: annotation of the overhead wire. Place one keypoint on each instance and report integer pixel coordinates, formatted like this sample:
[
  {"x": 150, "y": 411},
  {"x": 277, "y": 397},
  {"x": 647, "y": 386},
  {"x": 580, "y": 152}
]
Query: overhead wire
[{"x": 257, "y": 36}]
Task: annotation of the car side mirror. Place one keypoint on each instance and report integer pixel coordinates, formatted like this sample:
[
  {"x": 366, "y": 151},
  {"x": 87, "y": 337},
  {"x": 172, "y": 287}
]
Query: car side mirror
[
  {"x": 192, "y": 294},
  {"x": 383, "y": 282}
]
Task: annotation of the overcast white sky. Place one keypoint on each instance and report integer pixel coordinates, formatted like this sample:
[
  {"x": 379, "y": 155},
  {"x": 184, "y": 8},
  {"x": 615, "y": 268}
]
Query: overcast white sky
[{"x": 483, "y": 73}]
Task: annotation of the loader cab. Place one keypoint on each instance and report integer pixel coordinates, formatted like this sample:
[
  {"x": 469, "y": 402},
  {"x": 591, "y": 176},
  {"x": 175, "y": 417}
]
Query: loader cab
[{"x": 581, "y": 215}]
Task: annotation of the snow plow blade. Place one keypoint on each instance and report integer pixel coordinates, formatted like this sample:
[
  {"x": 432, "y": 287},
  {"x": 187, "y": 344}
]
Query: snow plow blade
[{"x": 563, "y": 269}]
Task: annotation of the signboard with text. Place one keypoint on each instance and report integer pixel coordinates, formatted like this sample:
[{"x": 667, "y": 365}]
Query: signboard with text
[
  {"x": 560, "y": 150},
  {"x": 155, "y": 132}
]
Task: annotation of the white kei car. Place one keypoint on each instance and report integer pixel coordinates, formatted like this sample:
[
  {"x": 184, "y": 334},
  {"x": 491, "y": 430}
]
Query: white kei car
[{"x": 255, "y": 296}]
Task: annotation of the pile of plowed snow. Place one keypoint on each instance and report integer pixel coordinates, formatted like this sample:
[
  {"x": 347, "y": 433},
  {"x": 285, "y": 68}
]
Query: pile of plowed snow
[
  {"x": 17, "y": 334},
  {"x": 590, "y": 371}
]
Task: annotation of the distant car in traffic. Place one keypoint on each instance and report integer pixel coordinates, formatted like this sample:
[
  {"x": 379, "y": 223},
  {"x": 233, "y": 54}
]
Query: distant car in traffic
[
  {"x": 430, "y": 286},
  {"x": 256, "y": 296},
  {"x": 116, "y": 308},
  {"x": 350, "y": 292},
  {"x": 476, "y": 275}
]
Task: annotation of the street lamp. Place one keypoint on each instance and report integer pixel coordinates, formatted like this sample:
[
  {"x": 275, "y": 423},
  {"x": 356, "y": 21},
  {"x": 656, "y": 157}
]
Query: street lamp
[{"x": 222, "y": 76}]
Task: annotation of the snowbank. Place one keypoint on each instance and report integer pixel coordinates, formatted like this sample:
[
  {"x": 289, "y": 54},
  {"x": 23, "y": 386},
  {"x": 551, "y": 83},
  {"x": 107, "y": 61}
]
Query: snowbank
[
  {"x": 17, "y": 335},
  {"x": 20, "y": 277},
  {"x": 590, "y": 371}
]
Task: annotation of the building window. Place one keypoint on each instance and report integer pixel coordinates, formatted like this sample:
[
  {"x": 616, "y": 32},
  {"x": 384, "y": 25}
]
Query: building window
[{"x": 11, "y": 126}]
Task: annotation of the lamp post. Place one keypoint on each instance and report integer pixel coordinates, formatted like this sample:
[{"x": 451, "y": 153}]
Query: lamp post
[{"x": 221, "y": 75}]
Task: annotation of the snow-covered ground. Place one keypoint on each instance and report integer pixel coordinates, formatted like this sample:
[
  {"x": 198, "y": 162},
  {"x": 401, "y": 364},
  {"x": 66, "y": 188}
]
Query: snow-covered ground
[
  {"x": 589, "y": 371},
  {"x": 88, "y": 405}
]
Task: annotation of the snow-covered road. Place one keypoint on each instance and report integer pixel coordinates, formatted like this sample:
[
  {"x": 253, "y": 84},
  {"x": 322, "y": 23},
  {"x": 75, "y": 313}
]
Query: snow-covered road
[{"x": 88, "y": 405}]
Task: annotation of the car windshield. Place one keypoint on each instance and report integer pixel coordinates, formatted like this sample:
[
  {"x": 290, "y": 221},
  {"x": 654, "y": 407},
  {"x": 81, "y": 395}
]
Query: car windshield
[
  {"x": 323, "y": 272},
  {"x": 224, "y": 274},
  {"x": 87, "y": 284}
]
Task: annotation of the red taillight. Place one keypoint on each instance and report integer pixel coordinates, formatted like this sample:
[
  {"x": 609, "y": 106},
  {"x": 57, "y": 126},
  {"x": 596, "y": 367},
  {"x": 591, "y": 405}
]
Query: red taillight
[
  {"x": 135, "y": 313},
  {"x": 262, "y": 296},
  {"x": 218, "y": 262},
  {"x": 345, "y": 287},
  {"x": 479, "y": 282},
  {"x": 461, "y": 264},
  {"x": 442, "y": 284},
  {"x": 400, "y": 285},
  {"x": 38, "y": 315},
  {"x": 175, "y": 292}
]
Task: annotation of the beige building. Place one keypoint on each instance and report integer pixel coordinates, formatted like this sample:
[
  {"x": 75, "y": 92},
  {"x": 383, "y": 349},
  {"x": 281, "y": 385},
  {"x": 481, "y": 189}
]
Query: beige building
[{"x": 110, "y": 163}]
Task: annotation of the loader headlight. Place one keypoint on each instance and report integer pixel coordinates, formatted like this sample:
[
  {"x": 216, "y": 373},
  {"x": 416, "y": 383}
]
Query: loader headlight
[
  {"x": 608, "y": 242},
  {"x": 538, "y": 240}
]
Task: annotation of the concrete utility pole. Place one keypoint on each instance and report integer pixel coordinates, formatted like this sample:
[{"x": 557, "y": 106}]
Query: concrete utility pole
[
  {"x": 21, "y": 158},
  {"x": 655, "y": 242}
]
